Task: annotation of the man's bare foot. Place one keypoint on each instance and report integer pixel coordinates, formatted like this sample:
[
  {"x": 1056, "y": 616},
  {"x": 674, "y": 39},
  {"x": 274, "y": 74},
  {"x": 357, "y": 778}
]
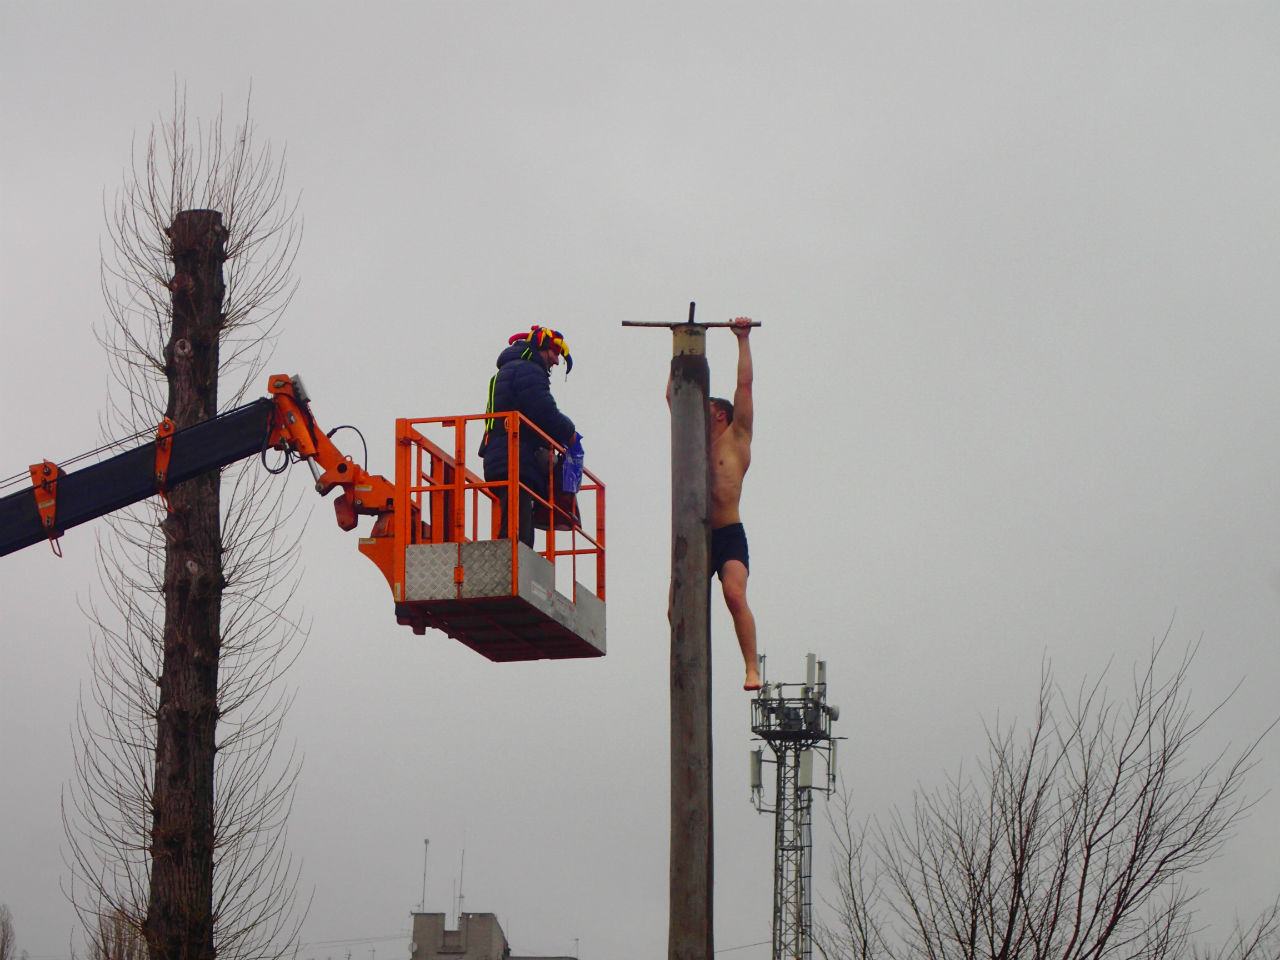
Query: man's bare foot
[{"x": 752, "y": 681}]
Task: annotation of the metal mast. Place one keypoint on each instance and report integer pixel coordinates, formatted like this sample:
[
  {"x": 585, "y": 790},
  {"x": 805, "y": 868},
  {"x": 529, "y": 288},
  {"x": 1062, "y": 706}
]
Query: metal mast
[{"x": 795, "y": 721}]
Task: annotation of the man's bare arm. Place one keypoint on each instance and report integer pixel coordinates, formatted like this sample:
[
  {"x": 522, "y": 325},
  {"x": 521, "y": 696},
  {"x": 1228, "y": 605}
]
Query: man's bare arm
[{"x": 743, "y": 409}]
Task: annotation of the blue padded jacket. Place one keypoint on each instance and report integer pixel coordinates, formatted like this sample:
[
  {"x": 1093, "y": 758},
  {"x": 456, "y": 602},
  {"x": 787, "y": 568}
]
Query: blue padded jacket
[{"x": 523, "y": 383}]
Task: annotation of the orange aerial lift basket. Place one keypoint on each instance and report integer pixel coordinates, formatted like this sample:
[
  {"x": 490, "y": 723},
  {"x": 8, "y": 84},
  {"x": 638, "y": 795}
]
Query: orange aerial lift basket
[
  {"x": 451, "y": 569},
  {"x": 435, "y": 534}
]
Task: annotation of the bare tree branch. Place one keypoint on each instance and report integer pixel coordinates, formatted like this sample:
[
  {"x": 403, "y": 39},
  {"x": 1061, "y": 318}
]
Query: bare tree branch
[
  {"x": 1077, "y": 838},
  {"x": 7, "y": 945},
  {"x": 108, "y": 810}
]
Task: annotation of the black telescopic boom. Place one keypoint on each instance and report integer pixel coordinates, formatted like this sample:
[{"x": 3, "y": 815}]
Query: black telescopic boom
[{"x": 128, "y": 477}]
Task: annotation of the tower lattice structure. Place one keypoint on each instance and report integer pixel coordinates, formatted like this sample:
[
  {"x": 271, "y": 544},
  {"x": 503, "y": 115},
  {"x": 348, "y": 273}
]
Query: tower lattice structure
[{"x": 794, "y": 721}]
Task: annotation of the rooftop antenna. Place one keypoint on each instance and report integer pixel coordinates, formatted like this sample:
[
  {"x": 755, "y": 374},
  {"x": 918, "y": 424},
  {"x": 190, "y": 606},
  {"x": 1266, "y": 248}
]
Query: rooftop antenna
[
  {"x": 795, "y": 721},
  {"x": 462, "y": 863},
  {"x": 426, "y": 846}
]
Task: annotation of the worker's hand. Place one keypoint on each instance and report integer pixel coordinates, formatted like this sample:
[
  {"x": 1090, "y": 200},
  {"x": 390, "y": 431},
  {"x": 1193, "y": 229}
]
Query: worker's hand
[{"x": 741, "y": 327}]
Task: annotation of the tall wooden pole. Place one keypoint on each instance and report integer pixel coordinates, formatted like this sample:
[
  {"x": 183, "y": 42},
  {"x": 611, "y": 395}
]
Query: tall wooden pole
[
  {"x": 691, "y": 931},
  {"x": 690, "y": 936}
]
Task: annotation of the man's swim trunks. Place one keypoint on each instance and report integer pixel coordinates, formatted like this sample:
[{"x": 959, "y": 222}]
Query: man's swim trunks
[{"x": 728, "y": 543}]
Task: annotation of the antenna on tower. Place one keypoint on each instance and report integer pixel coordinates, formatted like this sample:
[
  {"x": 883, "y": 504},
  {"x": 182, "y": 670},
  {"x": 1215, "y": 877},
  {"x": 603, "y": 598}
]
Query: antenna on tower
[{"x": 794, "y": 720}]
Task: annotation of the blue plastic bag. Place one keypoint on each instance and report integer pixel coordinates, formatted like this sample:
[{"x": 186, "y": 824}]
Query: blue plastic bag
[{"x": 571, "y": 472}]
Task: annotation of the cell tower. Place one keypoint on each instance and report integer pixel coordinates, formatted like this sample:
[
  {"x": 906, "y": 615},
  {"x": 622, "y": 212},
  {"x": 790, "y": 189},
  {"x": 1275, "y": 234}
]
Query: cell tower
[{"x": 795, "y": 720}]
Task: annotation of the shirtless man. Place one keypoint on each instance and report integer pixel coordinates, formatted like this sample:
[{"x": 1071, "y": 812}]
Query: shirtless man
[{"x": 730, "y": 458}]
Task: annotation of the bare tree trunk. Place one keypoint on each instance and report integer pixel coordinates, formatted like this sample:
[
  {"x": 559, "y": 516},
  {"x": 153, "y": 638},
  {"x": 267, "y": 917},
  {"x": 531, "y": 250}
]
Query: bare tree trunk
[{"x": 179, "y": 923}]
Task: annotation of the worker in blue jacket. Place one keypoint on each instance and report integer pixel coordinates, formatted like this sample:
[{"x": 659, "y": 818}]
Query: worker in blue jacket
[{"x": 523, "y": 384}]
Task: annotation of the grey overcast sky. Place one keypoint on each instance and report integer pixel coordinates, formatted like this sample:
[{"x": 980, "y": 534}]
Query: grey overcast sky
[{"x": 1017, "y": 269}]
